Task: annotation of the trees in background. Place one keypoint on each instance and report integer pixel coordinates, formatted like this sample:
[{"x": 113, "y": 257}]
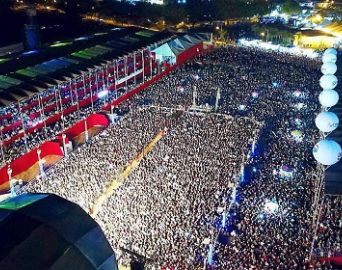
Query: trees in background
[
  {"x": 5, "y": 5},
  {"x": 172, "y": 12},
  {"x": 227, "y": 9},
  {"x": 274, "y": 33},
  {"x": 193, "y": 10},
  {"x": 290, "y": 7}
]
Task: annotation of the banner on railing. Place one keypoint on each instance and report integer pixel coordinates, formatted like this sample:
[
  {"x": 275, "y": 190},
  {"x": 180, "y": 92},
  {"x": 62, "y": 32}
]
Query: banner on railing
[
  {"x": 92, "y": 121},
  {"x": 26, "y": 167}
]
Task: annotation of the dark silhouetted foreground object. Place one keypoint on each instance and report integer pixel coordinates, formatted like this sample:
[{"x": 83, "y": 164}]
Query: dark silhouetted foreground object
[
  {"x": 47, "y": 232},
  {"x": 137, "y": 265}
]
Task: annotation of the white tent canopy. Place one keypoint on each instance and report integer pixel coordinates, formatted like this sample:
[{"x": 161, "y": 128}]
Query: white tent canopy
[
  {"x": 170, "y": 50},
  {"x": 176, "y": 46},
  {"x": 164, "y": 53}
]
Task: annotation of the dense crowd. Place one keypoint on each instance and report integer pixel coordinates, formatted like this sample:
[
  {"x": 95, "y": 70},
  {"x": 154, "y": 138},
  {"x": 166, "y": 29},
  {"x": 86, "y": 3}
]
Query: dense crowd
[
  {"x": 328, "y": 242},
  {"x": 176, "y": 197},
  {"x": 330, "y": 225},
  {"x": 177, "y": 189}
]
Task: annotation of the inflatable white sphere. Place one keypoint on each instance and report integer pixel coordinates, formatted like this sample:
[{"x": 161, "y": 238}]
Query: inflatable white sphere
[
  {"x": 327, "y": 152},
  {"x": 329, "y": 58},
  {"x": 329, "y": 68},
  {"x": 327, "y": 121},
  {"x": 328, "y": 81},
  {"x": 330, "y": 51},
  {"x": 328, "y": 98}
]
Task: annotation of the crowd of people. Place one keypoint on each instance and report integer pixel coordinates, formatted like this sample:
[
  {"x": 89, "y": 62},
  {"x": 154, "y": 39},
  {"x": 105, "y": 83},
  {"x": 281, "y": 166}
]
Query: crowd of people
[
  {"x": 328, "y": 241},
  {"x": 211, "y": 165},
  {"x": 85, "y": 174}
]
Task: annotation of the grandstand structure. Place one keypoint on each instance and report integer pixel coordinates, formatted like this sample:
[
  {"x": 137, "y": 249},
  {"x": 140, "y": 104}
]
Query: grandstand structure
[
  {"x": 34, "y": 71},
  {"x": 104, "y": 70}
]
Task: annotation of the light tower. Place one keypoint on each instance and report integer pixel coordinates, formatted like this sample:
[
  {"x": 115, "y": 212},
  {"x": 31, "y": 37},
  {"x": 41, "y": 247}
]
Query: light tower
[
  {"x": 194, "y": 96},
  {"x": 31, "y": 29},
  {"x": 218, "y": 96}
]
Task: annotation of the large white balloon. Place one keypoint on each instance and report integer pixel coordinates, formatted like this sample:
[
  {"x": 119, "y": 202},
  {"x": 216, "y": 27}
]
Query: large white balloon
[
  {"x": 327, "y": 152},
  {"x": 328, "y": 98},
  {"x": 328, "y": 81},
  {"x": 329, "y": 68},
  {"x": 330, "y": 51},
  {"x": 326, "y": 121},
  {"x": 329, "y": 58}
]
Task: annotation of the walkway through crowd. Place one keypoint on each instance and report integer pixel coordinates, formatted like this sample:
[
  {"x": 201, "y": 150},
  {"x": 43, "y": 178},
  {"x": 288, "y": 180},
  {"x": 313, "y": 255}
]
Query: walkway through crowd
[{"x": 120, "y": 179}]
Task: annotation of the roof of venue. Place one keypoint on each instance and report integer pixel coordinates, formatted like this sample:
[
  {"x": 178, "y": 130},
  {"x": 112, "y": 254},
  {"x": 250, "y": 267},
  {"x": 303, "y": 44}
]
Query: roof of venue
[
  {"x": 334, "y": 28},
  {"x": 31, "y": 72},
  {"x": 315, "y": 33}
]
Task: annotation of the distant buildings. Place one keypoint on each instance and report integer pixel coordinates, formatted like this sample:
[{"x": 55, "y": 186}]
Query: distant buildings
[
  {"x": 157, "y": 2},
  {"x": 31, "y": 30},
  {"x": 314, "y": 39},
  {"x": 322, "y": 38}
]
